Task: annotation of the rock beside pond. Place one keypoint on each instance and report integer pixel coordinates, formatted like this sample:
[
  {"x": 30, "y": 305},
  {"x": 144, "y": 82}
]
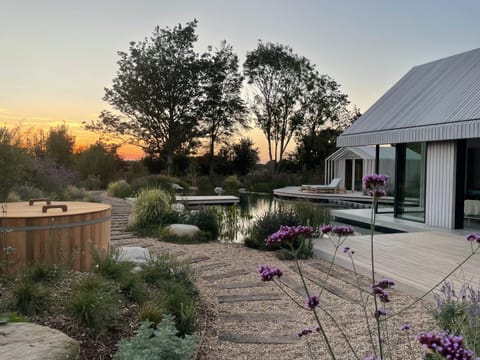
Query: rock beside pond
[
  {"x": 34, "y": 342},
  {"x": 182, "y": 230},
  {"x": 134, "y": 254}
]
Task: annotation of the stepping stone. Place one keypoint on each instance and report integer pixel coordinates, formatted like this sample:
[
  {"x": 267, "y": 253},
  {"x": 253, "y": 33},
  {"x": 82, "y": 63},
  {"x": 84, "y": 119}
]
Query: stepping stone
[
  {"x": 211, "y": 266},
  {"x": 258, "y": 339},
  {"x": 257, "y": 317},
  {"x": 242, "y": 285},
  {"x": 330, "y": 288},
  {"x": 198, "y": 259},
  {"x": 243, "y": 298},
  {"x": 225, "y": 275}
]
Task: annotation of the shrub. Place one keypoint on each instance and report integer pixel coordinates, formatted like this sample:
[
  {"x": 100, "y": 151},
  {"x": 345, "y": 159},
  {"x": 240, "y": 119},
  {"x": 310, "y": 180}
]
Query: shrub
[
  {"x": 93, "y": 302},
  {"x": 199, "y": 238},
  {"x": 267, "y": 224},
  {"x": 207, "y": 220},
  {"x": 74, "y": 193},
  {"x": 29, "y": 298},
  {"x": 178, "y": 301},
  {"x": 151, "y": 312},
  {"x": 157, "y": 182},
  {"x": 120, "y": 189},
  {"x": 160, "y": 343},
  {"x": 27, "y": 192},
  {"x": 109, "y": 267},
  {"x": 44, "y": 273},
  {"x": 150, "y": 208},
  {"x": 232, "y": 183},
  {"x": 133, "y": 289}
]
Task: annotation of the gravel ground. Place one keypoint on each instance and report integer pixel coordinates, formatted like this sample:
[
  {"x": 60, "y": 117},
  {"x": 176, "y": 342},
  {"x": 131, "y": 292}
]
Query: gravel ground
[{"x": 348, "y": 314}]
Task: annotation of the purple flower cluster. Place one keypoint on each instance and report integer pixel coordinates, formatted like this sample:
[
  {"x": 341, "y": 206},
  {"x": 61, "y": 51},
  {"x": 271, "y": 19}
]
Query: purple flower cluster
[
  {"x": 474, "y": 237},
  {"x": 379, "y": 312},
  {"x": 340, "y": 230},
  {"x": 268, "y": 273},
  {"x": 379, "y": 289},
  {"x": 304, "y": 331},
  {"x": 444, "y": 344},
  {"x": 375, "y": 184},
  {"x": 374, "y": 181},
  {"x": 288, "y": 233},
  {"x": 405, "y": 327},
  {"x": 312, "y": 302}
]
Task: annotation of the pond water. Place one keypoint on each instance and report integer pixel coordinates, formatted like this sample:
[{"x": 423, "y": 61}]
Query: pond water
[{"x": 237, "y": 219}]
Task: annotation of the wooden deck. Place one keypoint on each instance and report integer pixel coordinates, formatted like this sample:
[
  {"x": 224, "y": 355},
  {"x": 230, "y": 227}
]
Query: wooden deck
[
  {"x": 207, "y": 200},
  {"x": 295, "y": 192},
  {"x": 415, "y": 261}
]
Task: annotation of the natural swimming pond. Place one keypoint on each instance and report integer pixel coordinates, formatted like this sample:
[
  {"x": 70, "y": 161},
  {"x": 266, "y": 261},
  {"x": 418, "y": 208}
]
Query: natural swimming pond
[{"x": 236, "y": 220}]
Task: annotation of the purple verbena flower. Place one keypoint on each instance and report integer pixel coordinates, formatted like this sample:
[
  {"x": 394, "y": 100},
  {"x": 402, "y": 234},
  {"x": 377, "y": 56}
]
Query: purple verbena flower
[
  {"x": 381, "y": 293},
  {"x": 384, "y": 283},
  {"x": 288, "y": 233},
  {"x": 377, "y": 193},
  {"x": 325, "y": 229},
  {"x": 312, "y": 302},
  {"x": 447, "y": 345},
  {"x": 268, "y": 273},
  {"x": 405, "y": 327},
  {"x": 343, "y": 230},
  {"x": 346, "y": 249},
  {"x": 373, "y": 181},
  {"x": 304, "y": 331},
  {"x": 379, "y": 312},
  {"x": 474, "y": 237}
]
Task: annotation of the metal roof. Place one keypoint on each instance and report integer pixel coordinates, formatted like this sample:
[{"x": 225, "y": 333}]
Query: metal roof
[{"x": 439, "y": 100}]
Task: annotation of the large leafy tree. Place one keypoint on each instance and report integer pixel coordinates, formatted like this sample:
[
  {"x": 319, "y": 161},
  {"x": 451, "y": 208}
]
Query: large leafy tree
[
  {"x": 222, "y": 109},
  {"x": 59, "y": 145},
  {"x": 279, "y": 78},
  {"x": 156, "y": 92}
]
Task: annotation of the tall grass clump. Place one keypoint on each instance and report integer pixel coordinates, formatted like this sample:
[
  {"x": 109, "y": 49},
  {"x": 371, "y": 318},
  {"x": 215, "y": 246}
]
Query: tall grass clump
[
  {"x": 29, "y": 297},
  {"x": 94, "y": 302},
  {"x": 151, "y": 209},
  {"x": 161, "y": 342},
  {"x": 267, "y": 224},
  {"x": 207, "y": 220},
  {"x": 157, "y": 182},
  {"x": 120, "y": 189}
]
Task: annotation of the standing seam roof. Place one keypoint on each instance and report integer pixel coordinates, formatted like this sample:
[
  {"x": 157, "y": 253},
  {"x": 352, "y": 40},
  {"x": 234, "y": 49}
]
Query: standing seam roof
[{"x": 439, "y": 100}]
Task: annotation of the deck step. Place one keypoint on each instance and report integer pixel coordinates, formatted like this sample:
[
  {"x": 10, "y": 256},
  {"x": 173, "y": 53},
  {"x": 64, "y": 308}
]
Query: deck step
[{"x": 245, "y": 298}]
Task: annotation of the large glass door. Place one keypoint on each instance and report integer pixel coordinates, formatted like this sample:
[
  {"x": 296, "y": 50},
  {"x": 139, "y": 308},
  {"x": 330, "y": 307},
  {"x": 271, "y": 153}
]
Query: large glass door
[{"x": 410, "y": 181}]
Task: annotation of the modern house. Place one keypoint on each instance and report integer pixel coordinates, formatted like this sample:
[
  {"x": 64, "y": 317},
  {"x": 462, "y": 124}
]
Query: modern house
[{"x": 431, "y": 116}]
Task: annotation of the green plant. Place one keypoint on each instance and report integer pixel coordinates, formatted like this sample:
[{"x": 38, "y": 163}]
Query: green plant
[
  {"x": 133, "y": 288},
  {"x": 267, "y": 224},
  {"x": 108, "y": 266},
  {"x": 201, "y": 237},
  {"x": 11, "y": 317},
  {"x": 232, "y": 183},
  {"x": 120, "y": 189},
  {"x": 157, "y": 182},
  {"x": 151, "y": 312},
  {"x": 29, "y": 298},
  {"x": 94, "y": 302},
  {"x": 27, "y": 192},
  {"x": 72, "y": 192},
  {"x": 179, "y": 301},
  {"x": 159, "y": 343},
  {"x": 44, "y": 273},
  {"x": 151, "y": 205},
  {"x": 207, "y": 220}
]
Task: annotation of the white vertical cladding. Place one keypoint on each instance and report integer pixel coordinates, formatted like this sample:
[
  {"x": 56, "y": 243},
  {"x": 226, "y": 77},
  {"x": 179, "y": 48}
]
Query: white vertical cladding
[
  {"x": 440, "y": 184},
  {"x": 340, "y": 171}
]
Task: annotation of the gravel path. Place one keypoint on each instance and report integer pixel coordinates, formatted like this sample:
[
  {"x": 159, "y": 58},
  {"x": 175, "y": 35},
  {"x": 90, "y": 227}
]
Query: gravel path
[{"x": 250, "y": 319}]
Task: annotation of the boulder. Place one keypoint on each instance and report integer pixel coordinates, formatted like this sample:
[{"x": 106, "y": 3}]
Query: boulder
[
  {"x": 134, "y": 254},
  {"x": 29, "y": 341},
  {"x": 182, "y": 230}
]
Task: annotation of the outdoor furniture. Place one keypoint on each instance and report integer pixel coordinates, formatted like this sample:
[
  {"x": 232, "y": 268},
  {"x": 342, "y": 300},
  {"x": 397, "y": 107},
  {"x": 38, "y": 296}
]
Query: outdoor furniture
[{"x": 334, "y": 187}]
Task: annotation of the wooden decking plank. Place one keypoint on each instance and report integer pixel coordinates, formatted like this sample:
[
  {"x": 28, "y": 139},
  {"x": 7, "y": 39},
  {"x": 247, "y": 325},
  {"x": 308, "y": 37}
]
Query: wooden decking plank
[
  {"x": 199, "y": 259},
  {"x": 241, "y": 285},
  {"x": 211, "y": 266},
  {"x": 257, "y": 317}
]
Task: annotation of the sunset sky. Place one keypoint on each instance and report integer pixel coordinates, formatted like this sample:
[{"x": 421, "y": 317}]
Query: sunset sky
[{"x": 58, "y": 56}]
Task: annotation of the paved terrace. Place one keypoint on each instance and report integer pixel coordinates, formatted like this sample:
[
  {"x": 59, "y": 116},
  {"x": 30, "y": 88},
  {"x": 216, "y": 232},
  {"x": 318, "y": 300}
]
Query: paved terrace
[{"x": 416, "y": 261}]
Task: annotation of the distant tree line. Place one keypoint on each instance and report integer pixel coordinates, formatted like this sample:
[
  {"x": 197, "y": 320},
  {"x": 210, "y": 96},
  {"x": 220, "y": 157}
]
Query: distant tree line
[{"x": 168, "y": 99}]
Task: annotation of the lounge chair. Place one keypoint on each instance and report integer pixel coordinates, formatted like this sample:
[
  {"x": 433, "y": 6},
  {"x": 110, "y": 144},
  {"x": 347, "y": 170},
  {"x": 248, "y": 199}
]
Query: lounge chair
[{"x": 334, "y": 186}]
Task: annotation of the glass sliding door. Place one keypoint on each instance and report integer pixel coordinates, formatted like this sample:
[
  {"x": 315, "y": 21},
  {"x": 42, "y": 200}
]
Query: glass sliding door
[{"x": 410, "y": 181}]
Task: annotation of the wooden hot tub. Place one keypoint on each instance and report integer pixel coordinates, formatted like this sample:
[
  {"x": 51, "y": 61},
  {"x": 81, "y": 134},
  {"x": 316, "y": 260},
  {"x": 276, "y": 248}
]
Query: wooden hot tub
[{"x": 58, "y": 232}]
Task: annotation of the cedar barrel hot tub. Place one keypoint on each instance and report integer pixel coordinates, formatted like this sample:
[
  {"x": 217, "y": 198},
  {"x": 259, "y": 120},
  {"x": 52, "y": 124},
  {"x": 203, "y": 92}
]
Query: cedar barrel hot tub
[{"x": 54, "y": 232}]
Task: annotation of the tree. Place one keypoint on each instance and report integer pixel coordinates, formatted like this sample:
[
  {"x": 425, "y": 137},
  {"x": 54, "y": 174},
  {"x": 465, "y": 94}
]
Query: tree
[
  {"x": 245, "y": 157},
  {"x": 59, "y": 146},
  {"x": 156, "y": 91},
  {"x": 279, "y": 78},
  {"x": 222, "y": 108},
  {"x": 13, "y": 161},
  {"x": 99, "y": 161}
]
